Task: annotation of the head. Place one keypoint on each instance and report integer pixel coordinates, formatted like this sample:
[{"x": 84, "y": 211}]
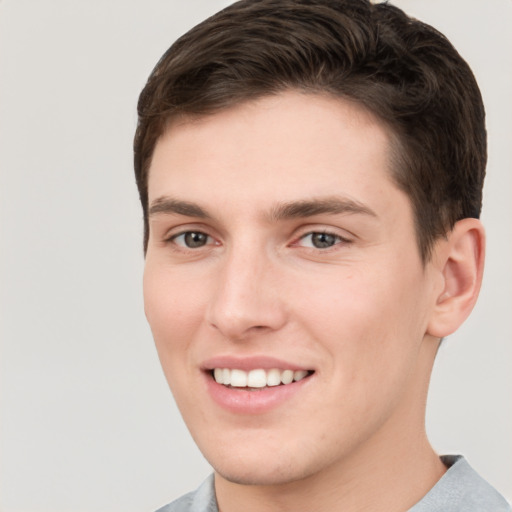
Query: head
[
  {"x": 403, "y": 71},
  {"x": 310, "y": 173}
]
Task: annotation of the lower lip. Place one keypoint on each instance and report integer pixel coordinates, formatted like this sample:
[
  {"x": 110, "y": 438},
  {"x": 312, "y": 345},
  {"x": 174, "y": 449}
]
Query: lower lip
[{"x": 242, "y": 401}]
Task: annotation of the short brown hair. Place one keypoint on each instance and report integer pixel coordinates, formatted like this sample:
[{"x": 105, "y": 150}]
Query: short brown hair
[{"x": 402, "y": 70}]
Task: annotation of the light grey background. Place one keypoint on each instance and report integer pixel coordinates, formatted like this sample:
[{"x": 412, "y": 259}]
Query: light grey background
[{"x": 87, "y": 422}]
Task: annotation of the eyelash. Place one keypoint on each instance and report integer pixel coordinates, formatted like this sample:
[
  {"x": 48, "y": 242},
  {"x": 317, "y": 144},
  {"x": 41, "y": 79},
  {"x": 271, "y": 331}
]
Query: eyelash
[
  {"x": 337, "y": 240},
  {"x": 172, "y": 239}
]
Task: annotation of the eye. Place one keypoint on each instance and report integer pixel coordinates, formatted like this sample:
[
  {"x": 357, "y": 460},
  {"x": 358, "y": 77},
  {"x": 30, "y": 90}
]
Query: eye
[
  {"x": 191, "y": 239},
  {"x": 320, "y": 240}
]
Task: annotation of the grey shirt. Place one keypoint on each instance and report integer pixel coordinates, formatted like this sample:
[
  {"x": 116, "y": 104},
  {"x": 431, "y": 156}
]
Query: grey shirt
[{"x": 460, "y": 489}]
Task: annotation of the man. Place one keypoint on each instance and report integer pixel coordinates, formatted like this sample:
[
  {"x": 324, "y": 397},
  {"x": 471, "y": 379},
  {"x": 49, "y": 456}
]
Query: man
[{"x": 311, "y": 175}]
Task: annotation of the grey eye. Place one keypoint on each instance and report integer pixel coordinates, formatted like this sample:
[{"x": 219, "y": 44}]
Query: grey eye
[
  {"x": 323, "y": 240},
  {"x": 192, "y": 239}
]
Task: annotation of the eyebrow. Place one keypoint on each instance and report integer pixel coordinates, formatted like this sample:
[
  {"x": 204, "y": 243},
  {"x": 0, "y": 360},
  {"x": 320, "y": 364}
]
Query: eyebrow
[
  {"x": 283, "y": 211},
  {"x": 168, "y": 205},
  {"x": 311, "y": 207}
]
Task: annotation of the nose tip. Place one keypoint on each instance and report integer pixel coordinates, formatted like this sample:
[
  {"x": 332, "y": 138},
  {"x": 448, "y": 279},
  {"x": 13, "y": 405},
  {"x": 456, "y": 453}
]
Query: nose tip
[
  {"x": 235, "y": 326},
  {"x": 246, "y": 302}
]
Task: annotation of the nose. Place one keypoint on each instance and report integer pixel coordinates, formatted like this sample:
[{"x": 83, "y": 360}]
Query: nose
[{"x": 247, "y": 298}]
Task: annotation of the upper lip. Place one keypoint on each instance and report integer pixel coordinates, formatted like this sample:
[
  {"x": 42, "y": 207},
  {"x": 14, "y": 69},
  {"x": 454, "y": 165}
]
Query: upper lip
[{"x": 250, "y": 363}]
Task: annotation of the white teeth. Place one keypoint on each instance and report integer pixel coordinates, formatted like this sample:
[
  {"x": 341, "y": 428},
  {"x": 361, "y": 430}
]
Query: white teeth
[
  {"x": 238, "y": 378},
  {"x": 273, "y": 377},
  {"x": 257, "y": 378},
  {"x": 287, "y": 377},
  {"x": 218, "y": 374},
  {"x": 299, "y": 375}
]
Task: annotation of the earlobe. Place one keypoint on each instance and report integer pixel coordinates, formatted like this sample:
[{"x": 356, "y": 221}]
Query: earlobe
[{"x": 462, "y": 269}]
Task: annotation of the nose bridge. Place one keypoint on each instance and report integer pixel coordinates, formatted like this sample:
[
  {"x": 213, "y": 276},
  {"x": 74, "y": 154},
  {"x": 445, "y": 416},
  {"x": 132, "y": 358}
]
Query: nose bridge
[{"x": 246, "y": 296}]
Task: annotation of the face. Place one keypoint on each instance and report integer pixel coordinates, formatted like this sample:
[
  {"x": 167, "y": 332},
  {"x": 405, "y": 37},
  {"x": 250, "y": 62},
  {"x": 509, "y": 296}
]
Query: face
[{"x": 284, "y": 287}]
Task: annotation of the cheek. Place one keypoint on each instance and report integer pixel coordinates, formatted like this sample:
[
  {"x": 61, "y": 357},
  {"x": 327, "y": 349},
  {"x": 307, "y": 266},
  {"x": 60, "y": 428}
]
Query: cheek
[
  {"x": 173, "y": 308},
  {"x": 369, "y": 322},
  {"x": 174, "y": 312},
  {"x": 372, "y": 340}
]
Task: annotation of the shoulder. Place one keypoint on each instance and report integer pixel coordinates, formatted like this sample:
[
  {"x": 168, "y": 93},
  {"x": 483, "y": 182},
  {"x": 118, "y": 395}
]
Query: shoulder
[
  {"x": 461, "y": 489},
  {"x": 200, "y": 500}
]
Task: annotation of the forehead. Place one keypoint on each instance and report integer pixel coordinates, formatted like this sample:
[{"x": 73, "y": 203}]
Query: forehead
[{"x": 280, "y": 147}]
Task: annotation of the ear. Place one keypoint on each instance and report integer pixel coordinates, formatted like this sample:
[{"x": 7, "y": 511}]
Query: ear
[{"x": 460, "y": 261}]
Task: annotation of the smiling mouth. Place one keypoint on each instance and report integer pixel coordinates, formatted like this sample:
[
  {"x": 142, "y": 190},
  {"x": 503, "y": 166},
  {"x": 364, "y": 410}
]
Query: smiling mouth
[{"x": 258, "y": 378}]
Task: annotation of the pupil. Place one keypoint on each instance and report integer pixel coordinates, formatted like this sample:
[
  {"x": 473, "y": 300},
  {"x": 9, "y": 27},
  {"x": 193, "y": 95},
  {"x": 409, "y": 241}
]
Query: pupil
[
  {"x": 194, "y": 239},
  {"x": 323, "y": 240}
]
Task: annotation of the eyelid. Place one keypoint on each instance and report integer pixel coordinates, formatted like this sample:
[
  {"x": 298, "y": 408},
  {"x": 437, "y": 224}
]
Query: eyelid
[
  {"x": 174, "y": 237},
  {"x": 171, "y": 234},
  {"x": 343, "y": 234},
  {"x": 339, "y": 239},
  {"x": 180, "y": 229}
]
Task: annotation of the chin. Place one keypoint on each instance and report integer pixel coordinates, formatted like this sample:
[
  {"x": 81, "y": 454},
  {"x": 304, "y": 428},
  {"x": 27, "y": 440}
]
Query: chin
[
  {"x": 263, "y": 467},
  {"x": 261, "y": 475}
]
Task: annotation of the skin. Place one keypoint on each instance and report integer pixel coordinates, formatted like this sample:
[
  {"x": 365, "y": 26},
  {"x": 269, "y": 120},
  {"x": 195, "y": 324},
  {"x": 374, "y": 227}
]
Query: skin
[{"x": 363, "y": 312}]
